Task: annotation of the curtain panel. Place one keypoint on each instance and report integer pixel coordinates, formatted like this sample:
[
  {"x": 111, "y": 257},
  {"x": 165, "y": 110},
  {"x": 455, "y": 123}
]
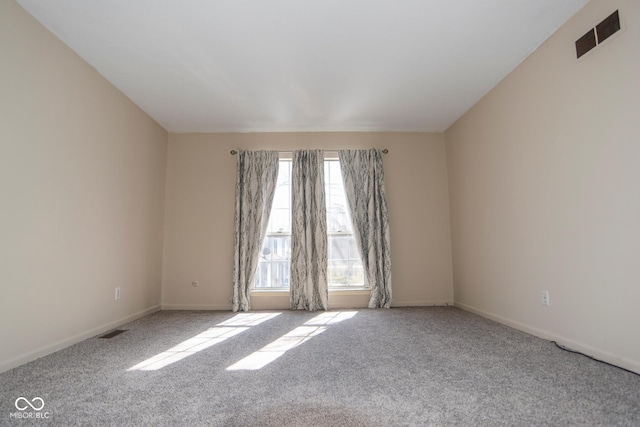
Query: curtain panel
[
  {"x": 308, "y": 287},
  {"x": 364, "y": 185},
  {"x": 257, "y": 174}
]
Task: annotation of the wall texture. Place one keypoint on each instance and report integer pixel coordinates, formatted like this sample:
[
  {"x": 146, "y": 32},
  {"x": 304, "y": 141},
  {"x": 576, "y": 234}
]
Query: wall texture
[
  {"x": 544, "y": 176},
  {"x": 82, "y": 173},
  {"x": 201, "y": 178}
]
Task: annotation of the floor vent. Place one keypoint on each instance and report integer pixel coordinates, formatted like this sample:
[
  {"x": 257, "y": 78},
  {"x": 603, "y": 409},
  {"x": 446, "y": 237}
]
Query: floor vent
[
  {"x": 595, "y": 36},
  {"x": 114, "y": 333}
]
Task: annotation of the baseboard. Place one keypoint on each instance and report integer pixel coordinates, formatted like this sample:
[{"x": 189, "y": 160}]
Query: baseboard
[
  {"x": 568, "y": 343},
  {"x": 196, "y": 307},
  {"x": 59, "y": 345},
  {"x": 420, "y": 303}
]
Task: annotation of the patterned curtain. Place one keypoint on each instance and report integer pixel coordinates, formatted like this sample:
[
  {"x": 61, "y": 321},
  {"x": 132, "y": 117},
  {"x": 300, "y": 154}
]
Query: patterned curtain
[
  {"x": 364, "y": 184},
  {"x": 255, "y": 185},
  {"x": 308, "y": 285}
]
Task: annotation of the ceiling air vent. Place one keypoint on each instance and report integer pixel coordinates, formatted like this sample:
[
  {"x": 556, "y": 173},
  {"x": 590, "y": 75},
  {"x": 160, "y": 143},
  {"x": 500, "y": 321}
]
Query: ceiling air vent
[{"x": 597, "y": 35}]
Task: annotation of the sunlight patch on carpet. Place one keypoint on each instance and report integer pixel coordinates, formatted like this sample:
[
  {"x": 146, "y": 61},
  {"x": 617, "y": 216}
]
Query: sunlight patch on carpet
[
  {"x": 212, "y": 336},
  {"x": 292, "y": 339}
]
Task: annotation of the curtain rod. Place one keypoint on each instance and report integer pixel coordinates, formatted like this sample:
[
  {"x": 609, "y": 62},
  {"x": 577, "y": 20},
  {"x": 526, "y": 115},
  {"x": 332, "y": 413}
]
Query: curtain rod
[{"x": 234, "y": 152}]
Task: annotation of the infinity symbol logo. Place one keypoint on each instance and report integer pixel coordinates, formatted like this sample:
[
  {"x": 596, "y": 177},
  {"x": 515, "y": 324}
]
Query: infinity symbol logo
[{"x": 32, "y": 403}]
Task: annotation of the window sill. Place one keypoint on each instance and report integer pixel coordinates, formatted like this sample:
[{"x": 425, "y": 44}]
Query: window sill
[
  {"x": 350, "y": 291},
  {"x": 271, "y": 292}
]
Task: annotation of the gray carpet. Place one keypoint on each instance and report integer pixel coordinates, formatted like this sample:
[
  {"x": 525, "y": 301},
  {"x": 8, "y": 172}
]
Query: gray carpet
[{"x": 410, "y": 366}]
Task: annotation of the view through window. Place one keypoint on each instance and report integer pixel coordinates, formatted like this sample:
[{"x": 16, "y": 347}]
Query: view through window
[
  {"x": 275, "y": 259},
  {"x": 345, "y": 268}
]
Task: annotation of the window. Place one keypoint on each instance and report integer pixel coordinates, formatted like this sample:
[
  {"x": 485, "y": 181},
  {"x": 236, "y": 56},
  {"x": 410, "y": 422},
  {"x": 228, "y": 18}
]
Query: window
[
  {"x": 345, "y": 265},
  {"x": 345, "y": 268},
  {"x": 275, "y": 259}
]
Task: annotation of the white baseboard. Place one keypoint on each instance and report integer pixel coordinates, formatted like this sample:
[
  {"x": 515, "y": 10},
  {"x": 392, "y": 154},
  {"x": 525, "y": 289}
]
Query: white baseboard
[
  {"x": 66, "y": 342},
  {"x": 420, "y": 303},
  {"x": 562, "y": 341},
  {"x": 196, "y": 307}
]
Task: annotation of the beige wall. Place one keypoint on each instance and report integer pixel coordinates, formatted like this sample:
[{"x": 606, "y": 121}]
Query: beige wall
[
  {"x": 544, "y": 178},
  {"x": 82, "y": 194},
  {"x": 199, "y": 217}
]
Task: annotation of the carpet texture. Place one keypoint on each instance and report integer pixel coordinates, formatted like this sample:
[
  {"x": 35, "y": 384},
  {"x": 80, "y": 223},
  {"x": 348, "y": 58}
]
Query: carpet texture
[{"x": 402, "y": 366}]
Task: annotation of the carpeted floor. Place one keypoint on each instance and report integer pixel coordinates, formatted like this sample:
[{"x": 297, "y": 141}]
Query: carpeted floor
[{"x": 403, "y": 366}]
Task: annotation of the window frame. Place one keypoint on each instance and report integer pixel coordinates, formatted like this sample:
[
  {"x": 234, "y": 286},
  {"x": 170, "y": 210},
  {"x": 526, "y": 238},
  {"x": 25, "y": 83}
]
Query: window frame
[
  {"x": 330, "y": 156},
  {"x": 287, "y": 156},
  {"x": 283, "y": 157}
]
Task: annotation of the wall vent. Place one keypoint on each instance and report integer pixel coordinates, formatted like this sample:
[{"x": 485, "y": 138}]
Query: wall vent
[
  {"x": 597, "y": 35},
  {"x": 607, "y": 27},
  {"x": 585, "y": 43}
]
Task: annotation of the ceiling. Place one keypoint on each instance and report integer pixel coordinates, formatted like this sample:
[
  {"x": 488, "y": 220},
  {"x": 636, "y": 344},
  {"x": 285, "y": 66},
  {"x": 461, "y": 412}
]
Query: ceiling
[{"x": 303, "y": 65}]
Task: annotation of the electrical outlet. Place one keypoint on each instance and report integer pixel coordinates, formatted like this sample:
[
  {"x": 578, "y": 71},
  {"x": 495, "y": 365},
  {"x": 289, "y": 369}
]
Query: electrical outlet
[
  {"x": 545, "y": 298},
  {"x": 117, "y": 296}
]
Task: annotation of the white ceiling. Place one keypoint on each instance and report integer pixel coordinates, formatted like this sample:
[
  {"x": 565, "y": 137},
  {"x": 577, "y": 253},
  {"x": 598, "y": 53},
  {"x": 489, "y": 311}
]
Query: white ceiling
[{"x": 303, "y": 65}]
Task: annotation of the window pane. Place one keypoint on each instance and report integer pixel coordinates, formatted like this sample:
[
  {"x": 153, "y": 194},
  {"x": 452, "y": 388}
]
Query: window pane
[
  {"x": 339, "y": 247},
  {"x": 273, "y": 266},
  {"x": 338, "y": 219},
  {"x": 280, "y": 218},
  {"x": 275, "y": 259},
  {"x": 345, "y": 265},
  {"x": 280, "y": 221}
]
